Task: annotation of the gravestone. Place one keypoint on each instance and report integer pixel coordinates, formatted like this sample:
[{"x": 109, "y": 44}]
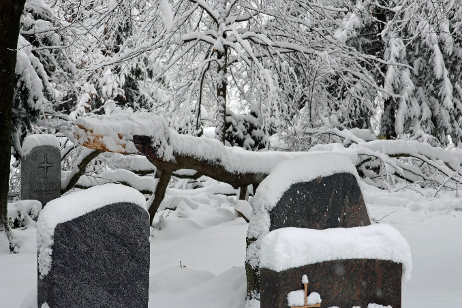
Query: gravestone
[
  {"x": 325, "y": 202},
  {"x": 341, "y": 283},
  {"x": 347, "y": 266},
  {"x": 93, "y": 249},
  {"x": 41, "y": 168},
  {"x": 317, "y": 191}
]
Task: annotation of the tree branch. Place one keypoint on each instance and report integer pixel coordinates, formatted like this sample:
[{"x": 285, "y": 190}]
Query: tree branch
[{"x": 79, "y": 170}]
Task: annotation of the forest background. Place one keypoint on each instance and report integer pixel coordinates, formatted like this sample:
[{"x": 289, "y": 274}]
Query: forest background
[{"x": 280, "y": 75}]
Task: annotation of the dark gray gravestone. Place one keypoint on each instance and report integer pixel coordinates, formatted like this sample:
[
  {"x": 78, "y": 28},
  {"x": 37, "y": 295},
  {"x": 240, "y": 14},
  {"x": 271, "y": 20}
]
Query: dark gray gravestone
[
  {"x": 326, "y": 202},
  {"x": 100, "y": 259},
  {"x": 41, "y": 174}
]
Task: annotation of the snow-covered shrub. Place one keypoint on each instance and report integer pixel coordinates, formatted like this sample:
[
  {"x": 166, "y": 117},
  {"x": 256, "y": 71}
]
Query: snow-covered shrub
[
  {"x": 22, "y": 213},
  {"x": 244, "y": 131}
]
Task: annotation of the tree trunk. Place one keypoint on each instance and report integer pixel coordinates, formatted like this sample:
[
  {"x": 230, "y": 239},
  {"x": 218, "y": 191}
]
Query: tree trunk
[
  {"x": 388, "y": 118},
  {"x": 242, "y": 192},
  {"x": 10, "y": 14},
  {"x": 222, "y": 83},
  {"x": 387, "y": 121}
]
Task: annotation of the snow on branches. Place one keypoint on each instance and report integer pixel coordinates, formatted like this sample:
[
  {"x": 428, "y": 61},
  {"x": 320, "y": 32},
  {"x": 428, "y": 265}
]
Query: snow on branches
[{"x": 383, "y": 163}]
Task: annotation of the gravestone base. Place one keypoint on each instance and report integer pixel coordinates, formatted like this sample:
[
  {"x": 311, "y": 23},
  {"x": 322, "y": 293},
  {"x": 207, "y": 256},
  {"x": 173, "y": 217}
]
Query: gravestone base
[{"x": 341, "y": 283}]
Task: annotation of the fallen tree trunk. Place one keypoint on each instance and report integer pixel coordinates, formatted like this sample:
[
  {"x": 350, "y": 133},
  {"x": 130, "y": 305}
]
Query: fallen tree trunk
[
  {"x": 170, "y": 152},
  {"x": 149, "y": 135},
  {"x": 214, "y": 169}
]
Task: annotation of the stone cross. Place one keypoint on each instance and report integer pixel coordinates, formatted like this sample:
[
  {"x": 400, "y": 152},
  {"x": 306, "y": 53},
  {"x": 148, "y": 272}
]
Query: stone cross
[{"x": 41, "y": 169}]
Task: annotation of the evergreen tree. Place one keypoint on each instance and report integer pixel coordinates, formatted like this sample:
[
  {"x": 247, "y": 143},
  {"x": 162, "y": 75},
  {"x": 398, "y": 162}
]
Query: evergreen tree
[
  {"x": 419, "y": 43},
  {"x": 44, "y": 75}
]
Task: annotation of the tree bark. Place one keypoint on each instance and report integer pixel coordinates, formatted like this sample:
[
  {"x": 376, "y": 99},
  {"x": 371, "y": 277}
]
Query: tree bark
[
  {"x": 80, "y": 170},
  {"x": 213, "y": 169},
  {"x": 242, "y": 192},
  {"x": 159, "y": 194},
  {"x": 222, "y": 84},
  {"x": 10, "y": 14},
  {"x": 388, "y": 119}
]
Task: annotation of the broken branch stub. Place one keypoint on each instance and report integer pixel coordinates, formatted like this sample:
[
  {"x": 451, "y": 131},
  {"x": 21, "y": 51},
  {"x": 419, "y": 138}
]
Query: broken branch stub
[{"x": 96, "y": 141}]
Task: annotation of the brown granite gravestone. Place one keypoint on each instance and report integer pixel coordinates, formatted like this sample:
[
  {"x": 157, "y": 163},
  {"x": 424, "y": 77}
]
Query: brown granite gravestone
[{"x": 341, "y": 283}]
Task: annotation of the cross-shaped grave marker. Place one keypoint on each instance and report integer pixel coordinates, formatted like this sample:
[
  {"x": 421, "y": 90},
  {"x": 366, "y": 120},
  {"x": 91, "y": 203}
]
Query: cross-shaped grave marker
[
  {"x": 45, "y": 164},
  {"x": 305, "y": 284}
]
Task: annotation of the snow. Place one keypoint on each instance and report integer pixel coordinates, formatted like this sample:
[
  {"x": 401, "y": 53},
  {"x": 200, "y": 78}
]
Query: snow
[
  {"x": 141, "y": 183},
  {"x": 209, "y": 132},
  {"x": 30, "y": 300},
  {"x": 185, "y": 172},
  {"x": 191, "y": 288},
  {"x": 244, "y": 208},
  {"x": 166, "y": 14},
  {"x": 128, "y": 125},
  {"x": 432, "y": 229},
  {"x": 75, "y": 205},
  {"x": 287, "y": 248},
  {"x": 25, "y": 211},
  {"x": 313, "y": 298},
  {"x": 4, "y": 244},
  {"x": 446, "y": 161},
  {"x": 32, "y": 75},
  {"x": 134, "y": 163},
  {"x": 33, "y": 141},
  {"x": 297, "y": 298}
]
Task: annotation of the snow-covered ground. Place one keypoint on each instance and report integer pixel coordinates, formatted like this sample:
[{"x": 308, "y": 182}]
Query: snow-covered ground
[{"x": 205, "y": 235}]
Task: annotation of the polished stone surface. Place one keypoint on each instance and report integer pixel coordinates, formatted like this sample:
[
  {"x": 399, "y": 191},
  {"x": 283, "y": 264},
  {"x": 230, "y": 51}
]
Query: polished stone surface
[
  {"x": 326, "y": 202},
  {"x": 341, "y": 283},
  {"x": 100, "y": 259},
  {"x": 41, "y": 174}
]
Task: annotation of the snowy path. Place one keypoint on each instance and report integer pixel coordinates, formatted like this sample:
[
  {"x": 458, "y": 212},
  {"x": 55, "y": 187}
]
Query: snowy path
[{"x": 214, "y": 251}]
